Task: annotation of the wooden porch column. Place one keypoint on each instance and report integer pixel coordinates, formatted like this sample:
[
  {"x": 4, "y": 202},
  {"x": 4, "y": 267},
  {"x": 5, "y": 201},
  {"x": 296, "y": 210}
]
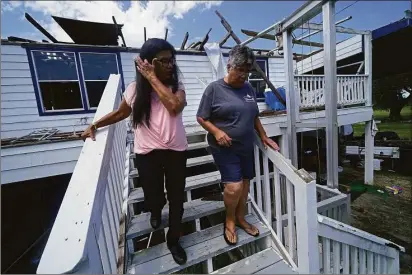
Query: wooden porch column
[
  {"x": 369, "y": 148},
  {"x": 329, "y": 41},
  {"x": 368, "y": 68},
  {"x": 369, "y": 138},
  {"x": 292, "y": 105}
]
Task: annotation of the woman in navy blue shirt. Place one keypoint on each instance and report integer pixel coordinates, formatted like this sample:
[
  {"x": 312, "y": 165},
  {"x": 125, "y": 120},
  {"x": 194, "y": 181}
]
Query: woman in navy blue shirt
[{"x": 229, "y": 112}]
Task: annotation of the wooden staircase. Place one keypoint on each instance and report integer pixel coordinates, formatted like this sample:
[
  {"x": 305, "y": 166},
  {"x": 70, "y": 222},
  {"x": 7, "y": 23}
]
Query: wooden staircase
[
  {"x": 100, "y": 229},
  {"x": 204, "y": 243}
]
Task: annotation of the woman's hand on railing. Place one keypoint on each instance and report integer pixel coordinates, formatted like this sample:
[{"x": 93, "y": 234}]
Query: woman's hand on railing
[
  {"x": 268, "y": 142},
  {"x": 89, "y": 133}
]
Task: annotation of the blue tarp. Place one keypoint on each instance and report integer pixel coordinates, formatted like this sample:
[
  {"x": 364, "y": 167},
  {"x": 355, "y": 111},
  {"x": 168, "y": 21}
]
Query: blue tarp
[{"x": 272, "y": 100}]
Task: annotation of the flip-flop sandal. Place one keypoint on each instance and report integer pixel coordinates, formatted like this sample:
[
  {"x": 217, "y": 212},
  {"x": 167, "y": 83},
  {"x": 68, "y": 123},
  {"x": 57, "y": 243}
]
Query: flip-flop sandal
[
  {"x": 254, "y": 235},
  {"x": 225, "y": 236}
]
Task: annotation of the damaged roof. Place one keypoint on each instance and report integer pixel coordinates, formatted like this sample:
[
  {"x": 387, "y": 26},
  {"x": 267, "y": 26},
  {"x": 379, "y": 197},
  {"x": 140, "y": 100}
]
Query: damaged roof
[{"x": 90, "y": 33}]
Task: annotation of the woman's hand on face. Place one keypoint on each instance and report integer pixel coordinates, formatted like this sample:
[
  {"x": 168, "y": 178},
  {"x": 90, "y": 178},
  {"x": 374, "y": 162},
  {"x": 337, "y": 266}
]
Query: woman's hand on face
[
  {"x": 269, "y": 142},
  {"x": 223, "y": 139},
  {"x": 89, "y": 133},
  {"x": 145, "y": 68}
]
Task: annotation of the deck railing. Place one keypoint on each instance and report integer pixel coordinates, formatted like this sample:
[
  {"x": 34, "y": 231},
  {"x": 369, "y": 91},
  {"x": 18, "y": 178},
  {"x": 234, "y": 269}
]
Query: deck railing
[
  {"x": 289, "y": 197},
  {"x": 85, "y": 234},
  {"x": 348, "y": 250},
  {"x": 300, "y": 208},
  {"x": 351, "y": 89}
]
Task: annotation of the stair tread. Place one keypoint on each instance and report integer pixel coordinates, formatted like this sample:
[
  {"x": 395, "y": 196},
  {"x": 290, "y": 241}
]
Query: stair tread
[
  {"x": 190, "y": 163},
  {"x": 140, "y": 224},
  {"x": 199, "y": 246},
  {"x": 190, "y": 146},
  {"x": 266, "y": 261},
  {"x": 202, "y": 180}
]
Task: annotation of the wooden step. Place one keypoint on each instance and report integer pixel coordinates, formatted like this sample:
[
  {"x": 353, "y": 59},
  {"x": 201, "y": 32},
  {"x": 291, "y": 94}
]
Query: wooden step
[
  {"x": 191, "y": 146},
  {"x": 264, "y": 262},
  {"x": 140, "y": 224},
  {"x": 190, "y": 163},
  {"x": 199, "y": 246},
  {"x": 194, "y": 182}
]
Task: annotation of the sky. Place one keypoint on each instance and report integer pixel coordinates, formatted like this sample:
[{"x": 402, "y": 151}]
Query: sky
[{"x": 195, "y": 17}]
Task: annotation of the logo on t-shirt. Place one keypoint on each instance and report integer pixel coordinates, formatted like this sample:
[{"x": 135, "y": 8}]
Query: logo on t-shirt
[{"x": 249, "y": 98}]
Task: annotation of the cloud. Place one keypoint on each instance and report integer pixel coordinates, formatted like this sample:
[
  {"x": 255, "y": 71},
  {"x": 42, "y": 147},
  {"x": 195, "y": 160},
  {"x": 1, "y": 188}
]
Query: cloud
[{"x": 154, "y": 15}]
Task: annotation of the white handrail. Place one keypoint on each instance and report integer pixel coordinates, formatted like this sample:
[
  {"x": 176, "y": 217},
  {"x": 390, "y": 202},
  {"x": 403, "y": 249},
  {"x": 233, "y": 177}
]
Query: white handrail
[
  {"x": 84, "y": 237},
  {"x": 301, "y": 203}
]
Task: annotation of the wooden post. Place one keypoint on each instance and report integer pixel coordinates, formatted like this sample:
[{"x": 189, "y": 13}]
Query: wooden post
[
  {"x": 369, "y": 149},
  {"x": 329, "y": 40},
  {"x": 368, "y": 68},
  {"x": 291, "y": 103},
  {"x": 307, "y": 228}
]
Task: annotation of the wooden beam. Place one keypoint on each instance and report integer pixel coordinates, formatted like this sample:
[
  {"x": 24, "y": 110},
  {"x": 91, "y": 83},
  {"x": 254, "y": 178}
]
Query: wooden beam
[
  {"x": 330, "y": 88},
  {"x": 306, "y": 12},
  {"x": 273, "y": 37},
  {"x": 204, "y": 41},
  {"x": 339, "y": 29},
  {"x": 255, "y": 66},
  {"x": 182, "y": 47},
  {"x": 224, "y": 40},
  {"x": 119, "y": 31},
  {"x": 40, "y": 28},
  {"x": 315, "y": 32},
  {"x": 308, "y": 43},
  {"x": 292, "y": 106},
  {"x": 253, "y": 33}
]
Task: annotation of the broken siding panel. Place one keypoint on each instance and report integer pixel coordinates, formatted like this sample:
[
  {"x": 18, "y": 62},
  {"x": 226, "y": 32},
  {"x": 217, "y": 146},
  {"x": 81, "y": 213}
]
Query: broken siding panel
[
  {"x": 344, "y": 49},
  {"x": 19, "y": 110}
]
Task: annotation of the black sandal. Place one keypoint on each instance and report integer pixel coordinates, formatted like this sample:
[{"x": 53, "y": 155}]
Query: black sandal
[
  {"x": 253, "y": 235},
  {"x": 225, "y": 237}
]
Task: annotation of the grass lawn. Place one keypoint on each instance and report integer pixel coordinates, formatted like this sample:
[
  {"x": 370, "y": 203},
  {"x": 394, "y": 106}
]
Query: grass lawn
[{"x": 403, "y": 129}]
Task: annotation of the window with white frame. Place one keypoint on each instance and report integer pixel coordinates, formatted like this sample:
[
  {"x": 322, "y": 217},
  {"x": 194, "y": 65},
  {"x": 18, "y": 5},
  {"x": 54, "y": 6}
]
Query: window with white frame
[
  {"x": 96, "y": 69},
  {"x": 257, "y": 82},
  {"x": 58, "y": 80}
]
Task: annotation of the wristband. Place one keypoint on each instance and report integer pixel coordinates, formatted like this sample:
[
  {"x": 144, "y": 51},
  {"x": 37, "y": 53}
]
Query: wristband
[{"x": 94, "y": 127}]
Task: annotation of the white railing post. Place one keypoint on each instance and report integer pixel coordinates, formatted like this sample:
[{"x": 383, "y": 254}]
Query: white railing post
[
  {"x": 368, "y": 68},
  {"x": 306, "y": 228}
]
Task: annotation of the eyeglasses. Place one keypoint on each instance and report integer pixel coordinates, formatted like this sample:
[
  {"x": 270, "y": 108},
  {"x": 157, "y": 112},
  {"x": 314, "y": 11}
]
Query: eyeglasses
[{"x": 165, "y": 62}]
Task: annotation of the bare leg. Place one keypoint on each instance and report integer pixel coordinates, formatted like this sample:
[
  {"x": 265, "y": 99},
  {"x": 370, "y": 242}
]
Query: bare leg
[
  {"x": 241, "y": 210},
  {"x": 231, "y": 196}
]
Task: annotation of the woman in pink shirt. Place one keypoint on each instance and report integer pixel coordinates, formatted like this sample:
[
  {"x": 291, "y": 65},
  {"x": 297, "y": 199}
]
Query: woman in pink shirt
[{"x": 156, "y": 101}]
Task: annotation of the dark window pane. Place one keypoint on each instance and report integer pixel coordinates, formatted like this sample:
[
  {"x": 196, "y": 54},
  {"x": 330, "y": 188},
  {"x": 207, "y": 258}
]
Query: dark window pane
[
  {"x": 254, "y": 74},
  {"x": 259, "y": 87},
  {"x": 61, "y": 95},
  {"x": 95, "y": 91},
  {"x": 55, "y": 65},
  {"x": 98, "y": 66}
]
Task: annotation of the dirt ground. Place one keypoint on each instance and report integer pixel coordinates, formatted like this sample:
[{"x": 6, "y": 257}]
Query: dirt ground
[{"x": 383, "y": 214}]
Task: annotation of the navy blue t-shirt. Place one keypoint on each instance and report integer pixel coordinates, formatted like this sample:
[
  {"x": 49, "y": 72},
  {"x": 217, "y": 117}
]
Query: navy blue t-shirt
[{"x": 232, "y": 111}]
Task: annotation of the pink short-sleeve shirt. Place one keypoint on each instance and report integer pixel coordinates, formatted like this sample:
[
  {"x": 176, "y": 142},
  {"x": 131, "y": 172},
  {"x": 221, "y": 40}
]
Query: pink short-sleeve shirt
[{"x": 165, "y": 132}]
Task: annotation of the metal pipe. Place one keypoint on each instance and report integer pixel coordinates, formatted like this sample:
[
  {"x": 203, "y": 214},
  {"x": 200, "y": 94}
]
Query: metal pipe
[
  {"x": 315, "y": 32},
  {"x": 167, "y": 30},
  {"x": 144, "y": 28}
]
